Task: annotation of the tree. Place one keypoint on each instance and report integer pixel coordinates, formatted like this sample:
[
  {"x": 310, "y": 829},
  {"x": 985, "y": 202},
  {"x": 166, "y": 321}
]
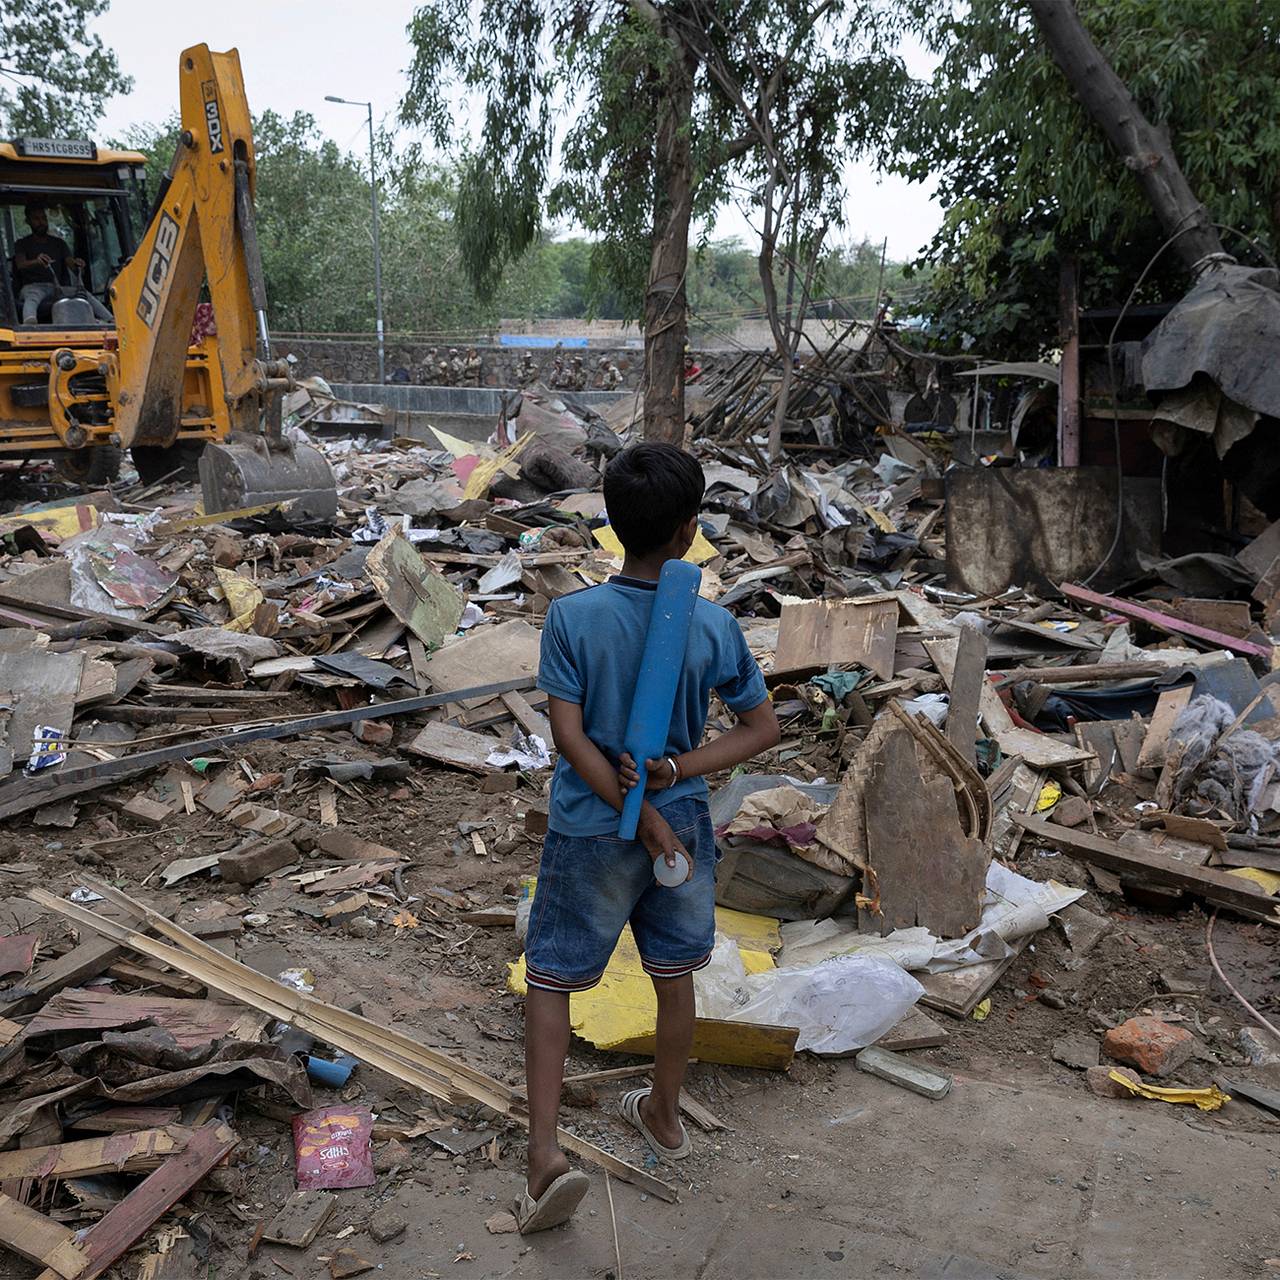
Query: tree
[
  {"x": 668, "y": 103},
  {"x": 59, "y": 73},
  {"x": 1028, "y": 180}
]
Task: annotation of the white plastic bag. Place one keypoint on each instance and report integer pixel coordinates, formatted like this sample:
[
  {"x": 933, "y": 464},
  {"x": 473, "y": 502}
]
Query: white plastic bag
[{"x": 838, "y": 1005}]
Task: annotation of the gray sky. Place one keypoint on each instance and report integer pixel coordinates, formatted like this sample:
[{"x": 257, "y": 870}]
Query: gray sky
[{"x": 293, "y": 52}]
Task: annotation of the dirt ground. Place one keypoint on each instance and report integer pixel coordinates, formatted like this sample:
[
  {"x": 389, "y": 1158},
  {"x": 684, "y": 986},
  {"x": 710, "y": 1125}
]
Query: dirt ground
[{"x": 1020, "y": 1171}]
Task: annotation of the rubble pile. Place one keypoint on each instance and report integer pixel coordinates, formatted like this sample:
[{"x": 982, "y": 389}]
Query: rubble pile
[{"x": 274, "y": 792}]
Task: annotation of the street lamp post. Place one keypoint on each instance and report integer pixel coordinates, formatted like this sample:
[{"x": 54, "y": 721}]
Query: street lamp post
[{"x": 377, "y": 252}]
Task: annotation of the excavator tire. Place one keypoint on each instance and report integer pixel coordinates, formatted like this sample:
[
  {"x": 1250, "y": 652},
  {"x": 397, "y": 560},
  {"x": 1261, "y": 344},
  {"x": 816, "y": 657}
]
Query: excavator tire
[
  {"x": 90, "y": 467},
  {"x": 154, "y": 462}
]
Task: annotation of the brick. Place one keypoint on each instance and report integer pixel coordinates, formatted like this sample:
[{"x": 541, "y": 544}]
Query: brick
[
  {"x": 535, "y": 822},
  {"x": 1099, "y": 1080},
  {"x": 373, "y": 733},
  {"x": 498, "y": 782},
  {"x": 1156, "y": 1048}
]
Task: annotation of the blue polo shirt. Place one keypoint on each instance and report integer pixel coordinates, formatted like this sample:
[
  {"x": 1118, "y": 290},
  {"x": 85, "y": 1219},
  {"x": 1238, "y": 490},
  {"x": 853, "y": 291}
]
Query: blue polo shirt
[{"x": 591, "y": 648}]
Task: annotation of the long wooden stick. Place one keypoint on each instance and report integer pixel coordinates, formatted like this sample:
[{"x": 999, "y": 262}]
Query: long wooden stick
[{"x": 385, "y": 1048}]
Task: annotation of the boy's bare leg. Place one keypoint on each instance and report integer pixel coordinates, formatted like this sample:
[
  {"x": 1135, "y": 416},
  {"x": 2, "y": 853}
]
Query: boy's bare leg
[
  {"x": 546, "y": 1045},
  {"x": 661, "y": 1109}
]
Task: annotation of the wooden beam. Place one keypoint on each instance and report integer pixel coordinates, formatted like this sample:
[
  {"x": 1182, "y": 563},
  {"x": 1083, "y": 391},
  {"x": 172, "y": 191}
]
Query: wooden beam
[
  {"x": 1215, "y": 886},
  {"x": 41, "y": 1240},
  {"x": 1085, "y": 672},
  {"x": 116, "y": 1153},
  {"x": 1164, "y": 621},
  {"x": 122, "y": 1227}
]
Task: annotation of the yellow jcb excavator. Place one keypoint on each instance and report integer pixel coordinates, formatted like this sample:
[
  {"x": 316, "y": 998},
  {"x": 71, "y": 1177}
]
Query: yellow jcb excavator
[{"x": 81, "y": 387}]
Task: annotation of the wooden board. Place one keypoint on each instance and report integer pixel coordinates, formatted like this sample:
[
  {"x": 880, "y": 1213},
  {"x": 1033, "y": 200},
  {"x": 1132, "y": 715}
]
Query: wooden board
[
  {"x": 457, "y": 747},
  {"x": 420, "y": 596},
  {"x": 1040, "y": 750},
  {"x": 125, "y": 1119},
  {"x": 1169, "y": 706},
  {"x": 192, "y": 1023},
  {"x": 526, "y": 717},
  {"x": 40, "y": 1240},
  {"x": 816, "y": 634},
  {"x": 119, "y": 1229},
  {"x": 1216, "y": 886},
  {"x": 300, "y": 1218},
  {"x": 923, "y": 869},
  {"x": 959, "y": 992},
  {"x": 968, "y": 676},
  {"x": 732, "y": 1044},
  {"x": 507, "y": 651},
  {"x": 116, "y": 1153},
  {"x": 1261, "y": 553}
]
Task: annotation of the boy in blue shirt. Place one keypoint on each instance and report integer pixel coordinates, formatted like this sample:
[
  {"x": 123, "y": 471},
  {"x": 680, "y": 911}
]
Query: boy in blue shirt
[{"x": 591, "y": 883}]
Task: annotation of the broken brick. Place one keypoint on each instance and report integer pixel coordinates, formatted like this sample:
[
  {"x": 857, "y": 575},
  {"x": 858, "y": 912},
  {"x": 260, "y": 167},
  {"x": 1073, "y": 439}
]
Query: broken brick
[
  {"x": 373, "y": 733},
  {"x": 1156, "y": 1048}
]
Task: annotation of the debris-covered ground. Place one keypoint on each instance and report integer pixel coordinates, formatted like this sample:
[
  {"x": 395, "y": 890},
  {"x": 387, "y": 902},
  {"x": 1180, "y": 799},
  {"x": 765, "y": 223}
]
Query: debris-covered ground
[{"x": 298, "y": 776}]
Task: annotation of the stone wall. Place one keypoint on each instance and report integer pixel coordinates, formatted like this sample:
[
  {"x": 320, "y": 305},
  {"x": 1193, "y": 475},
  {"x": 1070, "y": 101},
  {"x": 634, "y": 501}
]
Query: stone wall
[{"x": 343, "y": 360}]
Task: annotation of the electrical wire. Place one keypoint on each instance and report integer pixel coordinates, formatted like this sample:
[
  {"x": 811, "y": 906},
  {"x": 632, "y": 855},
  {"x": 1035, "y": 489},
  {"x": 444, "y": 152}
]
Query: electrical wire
[{"x": 1226, "y": 982}]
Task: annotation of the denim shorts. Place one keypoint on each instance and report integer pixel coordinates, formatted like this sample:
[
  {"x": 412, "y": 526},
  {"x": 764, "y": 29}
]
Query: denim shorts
[{"x": 589, "y": 887}]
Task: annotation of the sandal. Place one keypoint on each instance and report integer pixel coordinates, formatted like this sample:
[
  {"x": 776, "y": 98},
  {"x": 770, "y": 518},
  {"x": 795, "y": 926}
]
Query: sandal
[
  {"x": 554, "y": 1206},
  {"x": 631, "y": 1114}
]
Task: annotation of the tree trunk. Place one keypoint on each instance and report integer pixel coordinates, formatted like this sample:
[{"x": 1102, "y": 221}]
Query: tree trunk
[
  {"x": 665, "y": 318},
  {"x": 1144, "y": 148}
]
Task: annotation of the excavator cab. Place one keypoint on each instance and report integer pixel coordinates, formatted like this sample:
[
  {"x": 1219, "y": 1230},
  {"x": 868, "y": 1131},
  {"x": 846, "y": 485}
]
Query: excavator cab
[{"x": 99, "y": 350}]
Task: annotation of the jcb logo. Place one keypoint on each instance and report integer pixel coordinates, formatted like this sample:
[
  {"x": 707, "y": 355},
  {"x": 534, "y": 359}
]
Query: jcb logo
[
  {"x": 158, "y": 266},
  {"x": 211, "y": 116}
]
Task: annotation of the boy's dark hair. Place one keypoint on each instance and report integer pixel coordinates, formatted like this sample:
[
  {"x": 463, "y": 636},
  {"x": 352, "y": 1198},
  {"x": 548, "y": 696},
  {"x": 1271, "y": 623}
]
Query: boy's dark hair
[{"x": 650, "y": 490}]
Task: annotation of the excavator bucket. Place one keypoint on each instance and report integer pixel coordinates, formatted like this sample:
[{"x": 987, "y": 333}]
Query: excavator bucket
[{"x": 249, "y": 471}]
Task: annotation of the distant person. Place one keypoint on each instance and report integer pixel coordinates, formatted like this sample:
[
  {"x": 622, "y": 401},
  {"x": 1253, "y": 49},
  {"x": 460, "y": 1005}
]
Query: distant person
[
  {"x": 559, "y": 378},
  {"x": 692, "y": 370},
  {"x": 42, "y": 264},
  {"x": 399, "y": 375},
  {"x": 527, "y": 373},
  {"x": 471, "y": 368},
  {"x": 457, "y": 366},
  {"x": 427, "y": 371},
  {"x": 578, "y": 376},
  {"x": 613, "y": 378}
]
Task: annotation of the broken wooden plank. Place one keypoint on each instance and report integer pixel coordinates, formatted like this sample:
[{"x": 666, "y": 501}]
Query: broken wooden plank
[
  {"x": 814, "y": 635},
  {"x": 192, "y": 1023},
  {"x": 447, "y": 744},
  {"x": 531, "y": 721},
  {"x": 119, "y": 1229},
  {"x": 1165, "y": 622},
  {"x": 1169, "y": 706},
  {"x": 915, "y": 1030},
  {"x": 420, "y": 596},
  {"x": 300, "y": 1218},
  {"x": 1086, "y": 673},
  {"x": 1216, "y": 886},
  {"x": 967, "y": 678},
  {"x": 25, "y": 794},
  {"x": 923, "y": 869},
  {"x": 41, "y": 1240},
  {"x": 116, "y": 1153},
  {"x": 126, "y": 1119},
  {"x": 507, "y": 651},
  {"x": 959, "y": 992}
]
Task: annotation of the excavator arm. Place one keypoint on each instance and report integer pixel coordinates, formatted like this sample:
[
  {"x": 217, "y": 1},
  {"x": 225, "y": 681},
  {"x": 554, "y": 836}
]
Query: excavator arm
[{"x": 203, "y": 231}]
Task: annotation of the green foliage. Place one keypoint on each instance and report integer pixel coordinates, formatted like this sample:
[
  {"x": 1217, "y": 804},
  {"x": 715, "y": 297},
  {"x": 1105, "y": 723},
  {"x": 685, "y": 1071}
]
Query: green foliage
[
  {"x": 57, "y": 73},
  {"x": 1027, "y": 178},
  {"x": 593, "y": 75}
]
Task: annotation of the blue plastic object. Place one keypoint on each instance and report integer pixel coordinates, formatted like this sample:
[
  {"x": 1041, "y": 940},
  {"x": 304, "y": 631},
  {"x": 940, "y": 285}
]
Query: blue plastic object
[
  {"x": 660, "y": 665},
  {"x": 334, "y": 1074}
]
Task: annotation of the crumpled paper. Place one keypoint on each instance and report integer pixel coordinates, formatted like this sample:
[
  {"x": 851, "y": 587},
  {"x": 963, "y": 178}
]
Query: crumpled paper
[{"x": 781, "y": 815}]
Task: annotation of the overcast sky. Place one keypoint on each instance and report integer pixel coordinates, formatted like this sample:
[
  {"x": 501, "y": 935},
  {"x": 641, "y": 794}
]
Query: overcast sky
[{"x": 293, "y": 52}]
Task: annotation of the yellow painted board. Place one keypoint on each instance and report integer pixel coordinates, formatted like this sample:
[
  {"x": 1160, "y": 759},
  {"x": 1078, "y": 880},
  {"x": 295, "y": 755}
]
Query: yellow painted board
[
  {"x": 1268, "y": 881},
  {"x": 242, "y": 597},
  {"x": 699, "y": 553},
  {"x": 622, "y": 1008}
]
